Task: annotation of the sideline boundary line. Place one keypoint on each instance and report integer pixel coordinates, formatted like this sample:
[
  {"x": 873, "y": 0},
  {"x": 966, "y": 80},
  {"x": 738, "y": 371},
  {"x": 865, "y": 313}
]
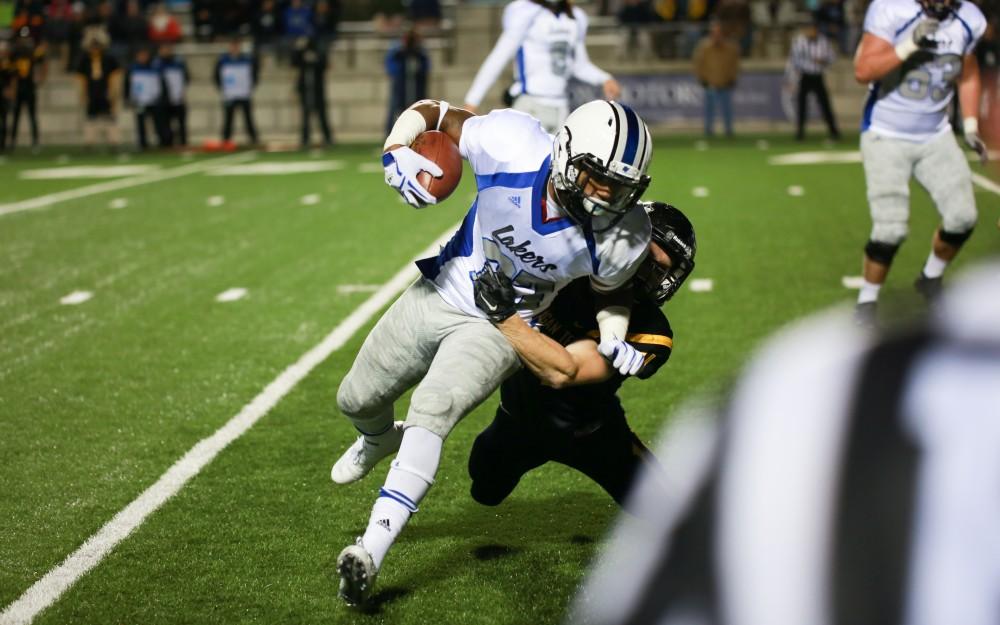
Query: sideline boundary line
[
  {"x": 985, "y": 183},
  {"x": 47, "y": 590},
  {"x": 44, "y": 201}
]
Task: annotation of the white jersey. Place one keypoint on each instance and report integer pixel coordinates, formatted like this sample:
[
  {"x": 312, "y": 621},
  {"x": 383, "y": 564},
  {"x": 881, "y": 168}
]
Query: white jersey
[
  {"x": 911, "y": 102},
  {"x": 547, "y": 50},
  {"x": 519, "y": 229}
]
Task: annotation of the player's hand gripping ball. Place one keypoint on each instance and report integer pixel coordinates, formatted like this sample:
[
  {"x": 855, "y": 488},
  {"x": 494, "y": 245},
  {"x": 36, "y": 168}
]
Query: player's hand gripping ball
[{"x": 438, "y": 147}]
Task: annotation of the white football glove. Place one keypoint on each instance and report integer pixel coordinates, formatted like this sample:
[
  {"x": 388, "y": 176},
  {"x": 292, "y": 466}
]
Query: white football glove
[
  {"x": 401, "y": 168},
  {"x": 622, "y": 356}
]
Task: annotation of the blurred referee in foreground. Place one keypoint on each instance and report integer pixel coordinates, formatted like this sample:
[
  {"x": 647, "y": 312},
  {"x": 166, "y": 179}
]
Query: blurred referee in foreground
[
  {"x": 853, "y": 481},
  {"x": 811, "y": 54}
]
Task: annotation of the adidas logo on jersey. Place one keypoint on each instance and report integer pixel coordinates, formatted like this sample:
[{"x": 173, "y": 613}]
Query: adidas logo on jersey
[
  {"x": 515, "y": 200},
  {"x": 384, "y": 523}
]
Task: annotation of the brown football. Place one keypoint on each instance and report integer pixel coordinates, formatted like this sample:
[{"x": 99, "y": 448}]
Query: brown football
[{"x": 438, "y": 147}]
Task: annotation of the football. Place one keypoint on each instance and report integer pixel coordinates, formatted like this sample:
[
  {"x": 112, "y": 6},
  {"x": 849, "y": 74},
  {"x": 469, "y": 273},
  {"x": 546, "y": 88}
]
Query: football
[{"x": 438, "y": 147}]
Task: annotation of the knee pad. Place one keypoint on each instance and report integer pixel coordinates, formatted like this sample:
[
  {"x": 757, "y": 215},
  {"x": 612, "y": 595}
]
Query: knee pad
[
  {"x": 954, "y": 239},
  {"x": 880, "y": 252},
  {"x": 431, "y": 402},
  {"x": 348, "y": 401}
]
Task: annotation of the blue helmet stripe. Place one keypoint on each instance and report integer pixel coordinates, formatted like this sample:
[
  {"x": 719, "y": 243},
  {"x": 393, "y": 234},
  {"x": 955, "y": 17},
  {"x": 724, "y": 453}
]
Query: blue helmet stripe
[{"x": 632, "y": 142}]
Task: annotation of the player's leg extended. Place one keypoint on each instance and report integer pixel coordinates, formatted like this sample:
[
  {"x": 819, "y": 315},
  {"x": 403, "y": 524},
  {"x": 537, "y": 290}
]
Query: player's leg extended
[
  {"x": 503, "y": 452},
  {"x": 393, "y": 357},
  {"x": 944, "y": 171},
  {"x": 470, "y": 363},
  {"x": 888, "y": 165}
]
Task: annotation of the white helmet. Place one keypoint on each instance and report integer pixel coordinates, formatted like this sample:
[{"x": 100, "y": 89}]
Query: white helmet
[{"x": 610, "y": 144}]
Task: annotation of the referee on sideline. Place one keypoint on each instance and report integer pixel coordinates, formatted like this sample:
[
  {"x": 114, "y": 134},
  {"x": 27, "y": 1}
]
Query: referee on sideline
[
  {"x": 811, "y": 54},
  {"x": 854, "y": 480}
]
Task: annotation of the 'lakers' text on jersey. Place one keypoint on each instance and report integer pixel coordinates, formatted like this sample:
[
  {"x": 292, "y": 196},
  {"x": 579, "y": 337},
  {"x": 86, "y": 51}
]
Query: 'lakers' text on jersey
[
  {"x": 515, "y": 226},
  {"x": 911, "y": 103}
]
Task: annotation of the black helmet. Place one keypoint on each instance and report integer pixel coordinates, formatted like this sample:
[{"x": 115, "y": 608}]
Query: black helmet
[{"x": 673, "y": 232}]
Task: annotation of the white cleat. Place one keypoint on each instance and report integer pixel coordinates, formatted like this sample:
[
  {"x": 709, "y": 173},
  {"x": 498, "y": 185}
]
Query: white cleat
[
  {"x": 357, "y": 572},
  {"x": 362, "y": 456}
]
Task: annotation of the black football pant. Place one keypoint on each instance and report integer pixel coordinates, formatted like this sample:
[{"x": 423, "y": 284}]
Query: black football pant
[
  {"x": 814, "y": 83},
  {"x": 3, "y": 123},
  {"x": 230, "y": 110},
  {"x": 513, "y": 445},
  {"x": 24, "y": 99},
  {"x": 317, "y": 106},
  {"x": 143, "y": 117},
  {"x": 175, "y": 124}
]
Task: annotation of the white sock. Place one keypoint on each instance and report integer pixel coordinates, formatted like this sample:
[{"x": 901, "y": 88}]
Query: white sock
[
  {"x": 410, "y": 477},
  {"x": 869, "y": 292},
  {"x": 934, "y": 267}
]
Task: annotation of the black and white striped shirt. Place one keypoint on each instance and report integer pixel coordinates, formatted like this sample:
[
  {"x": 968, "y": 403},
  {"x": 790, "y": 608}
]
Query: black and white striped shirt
[
  {"x": 811, "y": 55},
  {"x": 852, "y": 482}
]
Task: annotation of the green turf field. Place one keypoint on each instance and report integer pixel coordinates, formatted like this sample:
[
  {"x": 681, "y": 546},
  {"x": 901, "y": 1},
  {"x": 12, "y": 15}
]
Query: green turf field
[{"x": 100, "y": 398}]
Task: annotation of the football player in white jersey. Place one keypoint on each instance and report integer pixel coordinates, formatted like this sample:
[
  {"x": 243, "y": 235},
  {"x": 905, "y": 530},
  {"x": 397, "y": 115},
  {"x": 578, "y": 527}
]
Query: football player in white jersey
[
  {"x": 548, "y": 210},
  {"x": 913, "y": 54},
  {"x": 546, "y": 39}
]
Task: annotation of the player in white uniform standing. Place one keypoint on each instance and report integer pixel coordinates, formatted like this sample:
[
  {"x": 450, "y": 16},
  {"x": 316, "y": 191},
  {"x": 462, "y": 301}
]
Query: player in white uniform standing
[
  {"x": 913, "y": 54},
  {"x": 548, "y": 210},
  {"x": 546, "y": 39}
]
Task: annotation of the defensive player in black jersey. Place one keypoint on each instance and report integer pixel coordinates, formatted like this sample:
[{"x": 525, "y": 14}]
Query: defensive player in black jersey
[{"x": 563, "y": 405}]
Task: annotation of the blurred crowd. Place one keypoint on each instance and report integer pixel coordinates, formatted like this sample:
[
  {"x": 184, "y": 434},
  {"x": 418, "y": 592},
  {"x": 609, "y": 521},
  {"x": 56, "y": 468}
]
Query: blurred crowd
[
  {"x": 122, "y": 52},
  {"x": 132, "y": 24}
]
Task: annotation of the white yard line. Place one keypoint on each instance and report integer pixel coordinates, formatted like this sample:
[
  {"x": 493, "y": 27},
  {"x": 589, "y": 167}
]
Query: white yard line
[
  {"x": 231, "y": 295},
  {"x": 701, "y": 285},
  {"x": 49, "y": 588},
  {"x": 986, "y": 183},
  {"x": 45, "y": 201}
]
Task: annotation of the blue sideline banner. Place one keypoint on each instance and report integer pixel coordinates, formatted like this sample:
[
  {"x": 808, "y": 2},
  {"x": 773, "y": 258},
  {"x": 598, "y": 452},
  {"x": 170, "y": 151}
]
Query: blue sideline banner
[{"x": 758, "y": 95}]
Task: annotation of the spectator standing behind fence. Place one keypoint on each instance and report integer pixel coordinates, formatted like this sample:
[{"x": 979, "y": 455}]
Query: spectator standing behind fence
[
  {"x": 236, "y": 77},
  {"x": 717, "y": 66},
  {"x": 6, "y": 90},
  {"x": 326, "y": 21},
  {"x": 266, "y": 27},
  {"x": 407, "y": 65},
  {"x": 130, "y": 31},
  {"x": 298, "y": 20},
  {"x": 175, "y": 80},
  {"x": 144, "y": 92},
  {"x": 99, "y": 78},
  {"x": 812, "y": 52},
  {"x": 310, "y": 60},
  {"x": 29, "y": 73}
]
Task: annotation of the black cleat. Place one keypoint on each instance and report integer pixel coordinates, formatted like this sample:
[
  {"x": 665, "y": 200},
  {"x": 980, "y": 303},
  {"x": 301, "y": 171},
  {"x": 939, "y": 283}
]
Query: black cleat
[
  {"x": 930, "y": 288},
  {"x": 865, "y": 315}
]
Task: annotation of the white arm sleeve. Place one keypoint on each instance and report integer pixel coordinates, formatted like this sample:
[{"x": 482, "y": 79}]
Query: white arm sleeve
[
  {"x": 515, "y": 28},
  {"x": 583, "y": 68}
]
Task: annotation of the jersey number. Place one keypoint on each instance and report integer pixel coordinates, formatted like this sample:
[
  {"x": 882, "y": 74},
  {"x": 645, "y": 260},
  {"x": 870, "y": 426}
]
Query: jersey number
[
  {"x": 559, "y": 52},
  {"x": 919, "y": 82},
  {"x": 538, "y": 287}
]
